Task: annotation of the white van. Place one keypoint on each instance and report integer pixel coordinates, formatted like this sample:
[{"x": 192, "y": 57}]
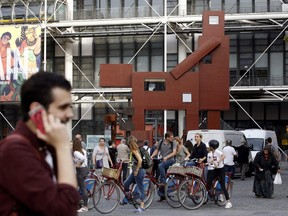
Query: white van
[
  {"x": 256, "y": 139},
  {"x": 220, "y": 135}
]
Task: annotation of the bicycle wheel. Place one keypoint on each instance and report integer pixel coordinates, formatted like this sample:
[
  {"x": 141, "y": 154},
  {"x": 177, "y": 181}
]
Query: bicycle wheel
[
  {"x": 191, "y": 193},
  {"x": 90, "y": 186},
  {"x": 106, "y": 197},
  {"x": 218, "y": 194},
  {"x": 171, "y": 188},
  {"x": 149, "y": 189}
]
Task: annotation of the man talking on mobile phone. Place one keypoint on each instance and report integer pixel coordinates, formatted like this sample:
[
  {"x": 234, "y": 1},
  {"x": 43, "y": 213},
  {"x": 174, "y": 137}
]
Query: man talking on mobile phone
[{"x": 36, "y": 168}]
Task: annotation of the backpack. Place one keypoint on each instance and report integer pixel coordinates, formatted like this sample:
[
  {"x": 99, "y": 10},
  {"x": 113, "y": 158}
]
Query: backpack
[{"x": 146, "y": 159}]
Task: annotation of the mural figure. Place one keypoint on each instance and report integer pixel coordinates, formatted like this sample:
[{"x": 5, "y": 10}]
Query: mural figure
[{"x": 29, "y": 45}]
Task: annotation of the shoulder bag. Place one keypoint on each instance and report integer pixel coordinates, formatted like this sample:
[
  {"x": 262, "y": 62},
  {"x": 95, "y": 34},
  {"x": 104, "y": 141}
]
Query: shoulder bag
[{"x": 99, "y": 163}]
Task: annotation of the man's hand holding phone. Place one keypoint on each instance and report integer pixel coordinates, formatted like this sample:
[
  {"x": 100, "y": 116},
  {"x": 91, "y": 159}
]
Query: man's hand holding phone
[
  {"x": 49, "y": 128},
  {"x": 36, "y": 117}
]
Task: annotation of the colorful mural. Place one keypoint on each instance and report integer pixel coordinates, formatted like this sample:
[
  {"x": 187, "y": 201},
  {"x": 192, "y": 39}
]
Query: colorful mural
[{"x": 20, "y": 53}]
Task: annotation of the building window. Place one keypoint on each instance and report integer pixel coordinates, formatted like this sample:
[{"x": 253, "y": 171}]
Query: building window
[
  {"x": 207, "y": 59},
  {"x": 154, "y": 85},
  {"x": 213, "y": 20}
]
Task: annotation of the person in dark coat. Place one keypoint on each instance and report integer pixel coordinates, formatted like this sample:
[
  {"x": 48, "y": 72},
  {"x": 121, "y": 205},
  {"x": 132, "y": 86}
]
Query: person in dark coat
[
  {"x": 112, "y": 151},
  {"x": 243, "y": 158},
  {"x": 264, "y": 163}
]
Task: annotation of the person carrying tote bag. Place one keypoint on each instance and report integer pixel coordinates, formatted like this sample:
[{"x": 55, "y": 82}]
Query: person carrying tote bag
[
  {"x": 99, "y": 163},
  {"x": 101, "y": 152}
]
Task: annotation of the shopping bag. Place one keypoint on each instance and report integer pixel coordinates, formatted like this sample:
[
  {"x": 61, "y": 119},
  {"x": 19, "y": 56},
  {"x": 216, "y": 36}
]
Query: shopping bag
[
  {"x": 99, "y": 163},
  {"x": 277, "y": 179}
]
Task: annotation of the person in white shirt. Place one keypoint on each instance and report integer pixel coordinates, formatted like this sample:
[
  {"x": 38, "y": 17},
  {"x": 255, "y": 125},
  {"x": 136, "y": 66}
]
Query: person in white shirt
[
  {"x": 146, "y": 146},
  {"x": 215, "y": 159},
  {"x": 80, "y": 161},
  {"x": 230, "y": 153}
]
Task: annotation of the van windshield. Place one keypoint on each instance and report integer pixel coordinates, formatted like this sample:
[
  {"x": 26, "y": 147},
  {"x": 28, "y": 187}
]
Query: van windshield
[{"x": 256, "y": 143}]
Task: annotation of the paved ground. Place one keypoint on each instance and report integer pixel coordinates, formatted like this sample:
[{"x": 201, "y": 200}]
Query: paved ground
[{"x": 243, "y": 200}]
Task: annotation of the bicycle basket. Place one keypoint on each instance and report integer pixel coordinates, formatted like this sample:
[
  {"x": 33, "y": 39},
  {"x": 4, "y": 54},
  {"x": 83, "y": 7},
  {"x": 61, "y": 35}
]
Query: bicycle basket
[
  {"x": 110, "y": 173},
  {"x": 176, "y": 170},
  {"x": 194, "y": 171}
]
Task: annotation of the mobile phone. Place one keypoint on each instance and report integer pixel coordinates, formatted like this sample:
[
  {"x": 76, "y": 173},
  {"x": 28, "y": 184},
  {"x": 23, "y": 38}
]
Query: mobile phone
[{"x": 36, "y": 117}]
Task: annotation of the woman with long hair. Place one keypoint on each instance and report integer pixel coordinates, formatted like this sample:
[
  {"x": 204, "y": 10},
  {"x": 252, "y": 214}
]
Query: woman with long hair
[
  {"x": 182, "y": 153},
  {"x": 137, "y": 175},
  {"x": 80, "y": 161}
]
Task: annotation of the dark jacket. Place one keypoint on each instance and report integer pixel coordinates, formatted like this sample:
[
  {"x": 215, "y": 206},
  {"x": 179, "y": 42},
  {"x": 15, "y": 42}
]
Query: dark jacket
[
  {"x": 26, "y": 179},
  {"x": 270, "y": 164},
  {"x": 199, "y": 151},
  {"x": 243, "y": 154}
]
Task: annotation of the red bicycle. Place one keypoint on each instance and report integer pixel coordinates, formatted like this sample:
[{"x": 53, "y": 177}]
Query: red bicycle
[
  {"x": 107, "y": 194},
  {"x": 193, "y": 191}
]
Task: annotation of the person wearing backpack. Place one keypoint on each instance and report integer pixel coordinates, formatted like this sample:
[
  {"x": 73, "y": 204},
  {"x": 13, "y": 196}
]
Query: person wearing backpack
[
  {"x": 146, "y": 146},
  {"x": 137, "y": 175},
  {"x": 167, "y": 149}
]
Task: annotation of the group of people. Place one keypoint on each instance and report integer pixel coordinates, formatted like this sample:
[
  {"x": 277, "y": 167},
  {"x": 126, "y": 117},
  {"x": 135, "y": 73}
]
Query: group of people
[{"x": 38, "y": 163}]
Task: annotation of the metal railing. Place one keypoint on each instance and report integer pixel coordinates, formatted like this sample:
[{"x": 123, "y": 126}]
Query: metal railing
[
  {"x": 146, "y": 11},
  {"x": 260, "y": 81}
]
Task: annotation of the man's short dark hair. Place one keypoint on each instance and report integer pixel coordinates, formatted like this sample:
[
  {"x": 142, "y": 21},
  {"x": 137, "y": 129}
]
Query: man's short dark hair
[
  {"x": 110, "y": 142},
  {"x": 168, "y": 134},
  {"x": 146, "y": 142},
  {"x": 269, "y": 140},
  {"x": 39, "y": 88},
  {"x": 229, "y": 142}
]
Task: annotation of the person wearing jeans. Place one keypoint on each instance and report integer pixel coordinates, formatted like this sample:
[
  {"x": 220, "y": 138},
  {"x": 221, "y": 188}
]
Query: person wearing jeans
[
  {"x": 137, "y": 175},
  {"x": 167, "y": 149},
  {"x": 80, "y": 162}
]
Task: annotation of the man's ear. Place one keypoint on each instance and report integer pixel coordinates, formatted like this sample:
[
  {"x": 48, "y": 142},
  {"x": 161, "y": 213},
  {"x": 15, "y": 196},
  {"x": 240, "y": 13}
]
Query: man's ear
[{"x": 33, "y": 105}]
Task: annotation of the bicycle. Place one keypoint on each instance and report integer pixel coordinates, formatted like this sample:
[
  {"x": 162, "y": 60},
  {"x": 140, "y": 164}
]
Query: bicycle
[
  {"x": 92, "y": 180},
  {"x": 175, "y": 176},
  {"x": 153, "y": 185},
  {"x": 193, "y": 191},
  {"x": 107, "y": 194}
]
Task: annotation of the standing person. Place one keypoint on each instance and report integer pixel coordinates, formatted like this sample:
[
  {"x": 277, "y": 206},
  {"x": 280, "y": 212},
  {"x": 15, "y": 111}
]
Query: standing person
[
  {"x": 215, "y": 162},
  {"x": 155, "y": 171},
  {"x": 80, "y": 161},
  {"x": 112, "y": 151},
  {"x": 101, "y": 152},
  {"x": 264, "y": 162},
  {"x": 137, "y": 175},
  {"x": 34, "y": 165},
  {"x": 146, "y": 146},
  {"x": 78, "y": 136},
  {"x": 243, "y": 158},
  {"x": 154, "y": 147},
  {"x": 167, "y": 149},
  {"x": 273, "y": 150},
  {"x": 230, "y": 153},
  {"x": 123, "y": 155},
  {"x": 182, "y": 153}
]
